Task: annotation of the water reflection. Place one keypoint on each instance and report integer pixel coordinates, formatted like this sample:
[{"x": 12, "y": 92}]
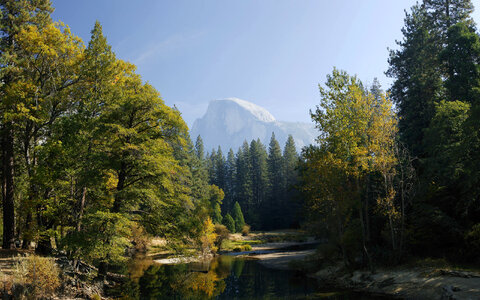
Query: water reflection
[{"x": 225, "y": 277}]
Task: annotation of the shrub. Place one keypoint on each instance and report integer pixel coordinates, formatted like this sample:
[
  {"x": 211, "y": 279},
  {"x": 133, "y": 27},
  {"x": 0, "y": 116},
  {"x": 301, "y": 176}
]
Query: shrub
[
  {"x": 208, "y": 237},
  {"x": 472, "y": 239},
  {"x": 245, "y": 230},
  {"x": 40, "y": 275},
  {"x": 242, "y": 248},
  {"x": 140, "y": 239},
  {"x": 222, "y": 233}
]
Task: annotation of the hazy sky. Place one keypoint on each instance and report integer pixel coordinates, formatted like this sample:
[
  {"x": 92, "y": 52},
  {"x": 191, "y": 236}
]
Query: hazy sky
[{"x": 270, "y": 52}]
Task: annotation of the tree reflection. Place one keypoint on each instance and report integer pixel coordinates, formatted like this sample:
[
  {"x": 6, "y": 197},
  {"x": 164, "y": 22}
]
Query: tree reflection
[{"x": 184, "y": 281}]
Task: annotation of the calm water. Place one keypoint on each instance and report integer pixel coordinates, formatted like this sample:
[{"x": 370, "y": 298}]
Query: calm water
[{"x": 225, "y": 277}]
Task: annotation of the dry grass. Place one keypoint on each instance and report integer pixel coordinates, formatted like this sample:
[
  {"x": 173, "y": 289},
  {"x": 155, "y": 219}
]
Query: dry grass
[{"x": 23, "y": 274}]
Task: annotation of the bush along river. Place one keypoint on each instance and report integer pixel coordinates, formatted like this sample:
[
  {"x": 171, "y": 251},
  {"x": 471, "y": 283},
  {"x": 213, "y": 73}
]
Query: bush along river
[{"x": 224, "y": 277}]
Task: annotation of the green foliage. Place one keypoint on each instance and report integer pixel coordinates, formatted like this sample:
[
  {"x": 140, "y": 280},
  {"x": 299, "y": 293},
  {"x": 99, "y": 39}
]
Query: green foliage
[
  {"x": 433, "y": 231},
  {"x": 216, "y": 196},
  {"x": 242, "y": 248},
  {"x": 222, "y": 233},
  {"x": 460, "y": 57},
  {"x": 217, "y": 214},
  {"x": 290, "y": 206},
  {"x": 356, "y": 142},
  {"x": 418, "y": 78},
  {"x": 104, "y": 238},
  {"x": 100, "y": 160},
  {"x": 229, "y": 223},
  {"x": 264, "y": 184},
  {"x": 473, "y": 238},
  {"x": 199, "y": 148},
  {"x": 243, "y": 181},
  {"x": 230, "y": 181},
  {"x": 238, "y": 217},
  {"x": 276, "y": 190},
  {"x": 443, "y": 143},
  {"x": 259, "y": 179}
]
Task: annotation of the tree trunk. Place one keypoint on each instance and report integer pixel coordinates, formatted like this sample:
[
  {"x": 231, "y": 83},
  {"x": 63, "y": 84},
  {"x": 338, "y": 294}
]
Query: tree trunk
[
  {"x": 362, "y": 225},
  {"x": 44, "y": 246},
  {"x": 82, "y": 207},
  {"x": 26, "y": 236},
  {"x": 120, "y": 185},
  {"x": 367, "y": 219},
  {"x": 8, "y": 187}
]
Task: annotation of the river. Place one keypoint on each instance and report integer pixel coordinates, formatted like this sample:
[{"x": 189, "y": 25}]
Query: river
[{"x": 224, "y": 277}]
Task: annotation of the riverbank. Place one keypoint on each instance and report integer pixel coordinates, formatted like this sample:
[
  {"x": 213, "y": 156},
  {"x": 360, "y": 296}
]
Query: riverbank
[
  {"x": 416, "y": 283},
  {"x": 290, "y": 255},
  {"x": 402, "y": 282},
  {"x": 52, "y": 278}
]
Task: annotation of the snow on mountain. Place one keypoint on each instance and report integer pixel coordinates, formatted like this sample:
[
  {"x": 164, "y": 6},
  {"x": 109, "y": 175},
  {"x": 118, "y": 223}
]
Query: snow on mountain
[
  {"x": 259, "y": 112},
  {"x": 229, "y": 122}
]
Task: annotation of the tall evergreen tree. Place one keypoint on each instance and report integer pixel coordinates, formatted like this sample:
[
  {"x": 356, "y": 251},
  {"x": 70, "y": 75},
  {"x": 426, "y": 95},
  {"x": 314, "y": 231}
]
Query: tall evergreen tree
[
  {"x": 230, "y": 180},
  {"x": 276, "y": 188},
  {"x": 211, "y": 165},
  {"x": 290, "y": 207},
  {"x": 418, "y": 78},
  {"x": 258, "y": 158},
  {"x": 445, "y": 13},
  {"x": 220, "y": 169},
  {"x": 229, "y": 222},
  {"x": 238, "y": 217},
  {"x": 199, "y": 149},
  {"x": 461, "y": 57},
  {"x": 244, "y": 194}
]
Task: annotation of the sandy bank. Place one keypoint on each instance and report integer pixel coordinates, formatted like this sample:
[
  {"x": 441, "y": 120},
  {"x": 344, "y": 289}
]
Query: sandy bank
[
  {"x": 281, "y": 245},
  {"x": 408, "y": 284},
  {"x": 282, "y": 260}
]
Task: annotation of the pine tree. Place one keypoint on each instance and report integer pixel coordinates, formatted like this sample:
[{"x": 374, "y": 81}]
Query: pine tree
[
  {"x": 244, "y": 194},
  {"x": 461, "y": 57},
  {"x": 290, "y": 207},
  {"x": 216, "y": 196},
  {"x": 229, "y": 223},
  {"x": 199, "y": 149},
  {"x": 238, "y": 217},
  {"x": 418, "y": 78},
  {"x": 276, "y": 187},
  {"x": 211, "y": 165},
  {"x": 220, "y": 170},
  {"x": 230, "y": 180},
  {"x": 258, "y": 158},
  {"x": 445, "y": 13}
]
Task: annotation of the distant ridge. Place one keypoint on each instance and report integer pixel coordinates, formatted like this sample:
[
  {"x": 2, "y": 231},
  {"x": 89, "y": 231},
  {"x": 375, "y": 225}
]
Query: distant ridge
[{"x": 228, "y": 122}]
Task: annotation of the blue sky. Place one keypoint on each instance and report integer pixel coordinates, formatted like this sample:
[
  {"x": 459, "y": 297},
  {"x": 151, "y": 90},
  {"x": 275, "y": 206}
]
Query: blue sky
[{"x": 270, "y": 52}]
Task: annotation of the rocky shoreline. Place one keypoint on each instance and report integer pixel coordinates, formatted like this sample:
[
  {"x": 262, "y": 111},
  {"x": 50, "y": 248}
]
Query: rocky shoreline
[
  {"x": 417, "y": 283},
  {"x": 397, "y": 283}
]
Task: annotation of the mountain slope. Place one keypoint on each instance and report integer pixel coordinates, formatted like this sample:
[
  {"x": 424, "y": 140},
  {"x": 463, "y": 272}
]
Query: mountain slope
[{"x": 229, "y": 122}]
